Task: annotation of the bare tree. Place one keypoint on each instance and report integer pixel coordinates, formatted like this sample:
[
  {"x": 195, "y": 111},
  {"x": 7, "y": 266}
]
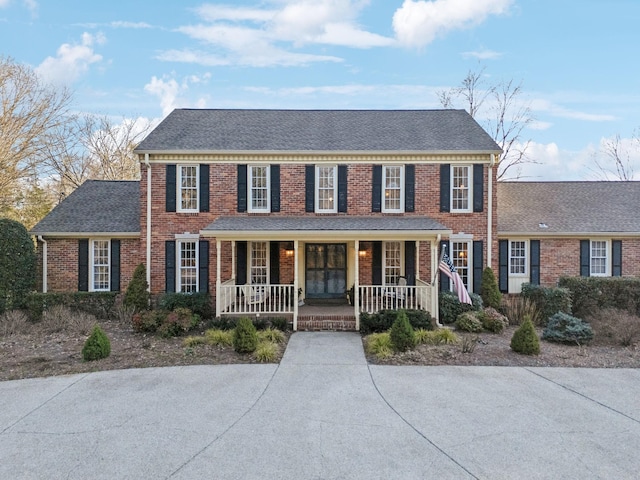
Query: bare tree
[
  {"x": 617, "y": 161},
  {"x": 30, "y": 112},
  {"x": 505, "y": 116}
]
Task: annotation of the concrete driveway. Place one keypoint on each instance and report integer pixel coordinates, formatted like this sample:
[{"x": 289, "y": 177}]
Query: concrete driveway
[{"x": 323, "y": 413}]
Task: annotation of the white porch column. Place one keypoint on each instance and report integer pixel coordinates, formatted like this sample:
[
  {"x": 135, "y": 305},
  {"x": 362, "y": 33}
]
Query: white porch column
[
  {"x": 218, "y": 282},
  {"x": 435, "y": 259},
  {"x": 233, "y": 260},
  {"x": 296, "y": 281},
  {"x": 417, "y": 267},
  {"x": 356, "y": 285}
]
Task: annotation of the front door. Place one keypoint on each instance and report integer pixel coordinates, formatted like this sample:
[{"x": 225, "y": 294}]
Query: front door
[{"x": 325, "y": 270}]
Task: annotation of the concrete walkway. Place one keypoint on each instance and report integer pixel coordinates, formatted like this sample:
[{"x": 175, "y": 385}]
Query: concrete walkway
[{"x": 323, "y": 413}]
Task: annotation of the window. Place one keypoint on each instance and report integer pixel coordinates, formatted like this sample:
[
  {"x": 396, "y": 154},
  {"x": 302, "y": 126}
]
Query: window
[
  {"x": 460, "y": 258},
  {"x": 188, "y": 266},
  {"x": 518, "y": 257},
  {"x": 392, "y": 262},
  {"x": 100, "y": 261},
  {"x": 393, "y": 185},
  {"x": 326, "y": 190},
  {"x": 460, "y": 189},
  {"x": 188, "y": 191},
  {"x": 258, "y": 263},
  {"x": 599, "y": 255},
  {"x": 259, "y": 188}
]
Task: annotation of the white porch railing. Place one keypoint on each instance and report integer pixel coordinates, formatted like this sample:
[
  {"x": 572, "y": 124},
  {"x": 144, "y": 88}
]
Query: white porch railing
[
  {"x": 252, "y": 299},
  {"x": 374, "y": 298}
]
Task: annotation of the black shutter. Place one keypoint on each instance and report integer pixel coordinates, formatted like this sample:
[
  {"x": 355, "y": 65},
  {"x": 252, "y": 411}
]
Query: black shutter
[
  {"x": 478, "y": 188},
  {"x": 83, "y": 265},
  {"x": 376, "y": 263},
  {"x": 274, "y": 263},
  {"x": 274, "y": 172},
  {"x": 503, "y": 265},
  {"x": 310, "y": 188},
  {"x": 170, "y": 198},
  {"x": 242, "y": 188},
  {"x": 444, "y": 280},
  {"x": 170, "y": 266},
  {"x": 342, "y": 188},
  {"x": 241, "y": 263},
  {"x": 477, "y": 266},
  {"x": 376, "y": 189},
  {"x": 204, "y": 187},
  {"x": 409, "y": 188},
  {"x": 585, "y": 258},
  {"x": 616, "y": 254},
  {"x": 203, "y": 265},
  {"x": 534, "y": 262},
  {"x": 115, "y": 266},
  {"x": 445, "y": 188},
  {"x": 410, "y": 262}
]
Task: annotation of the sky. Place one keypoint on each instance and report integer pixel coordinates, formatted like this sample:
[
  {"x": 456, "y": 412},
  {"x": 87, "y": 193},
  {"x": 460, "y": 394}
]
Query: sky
[{"x": 576, "y": 61}]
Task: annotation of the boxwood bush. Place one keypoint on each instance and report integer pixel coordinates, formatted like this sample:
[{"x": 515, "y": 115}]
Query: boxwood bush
[
  {"x": 450, "y": 307},
  {"x": 593, "y": 293},
  {"x": 383, "y": 320},
  {"x": 99, "y": 304},
  {"x": 198, "y": 302},
  {"x": 548, "y": 300}
]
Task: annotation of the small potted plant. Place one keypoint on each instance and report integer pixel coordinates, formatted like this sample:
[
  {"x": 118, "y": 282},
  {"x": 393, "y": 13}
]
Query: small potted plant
[
  {"x": 300, "y": 299},
  {"x": 351, "y": 295}
]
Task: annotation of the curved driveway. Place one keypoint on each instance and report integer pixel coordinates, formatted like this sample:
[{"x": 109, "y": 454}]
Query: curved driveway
[{"x": 323, "y": 413}]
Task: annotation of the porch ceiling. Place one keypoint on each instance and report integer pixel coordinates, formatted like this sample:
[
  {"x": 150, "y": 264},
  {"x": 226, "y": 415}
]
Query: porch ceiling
[{"x": 329, "y": 227}]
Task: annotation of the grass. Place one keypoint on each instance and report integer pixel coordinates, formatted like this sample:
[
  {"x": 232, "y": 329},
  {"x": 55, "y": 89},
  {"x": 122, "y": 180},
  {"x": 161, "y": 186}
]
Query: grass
[
  {"x": 379, "y": 344},
  {"x": 266, "y": 352},
  {"x": 217, "y": 337},
  {"x": 441, "y": 336},
  {"x": 271, "y": 335}
]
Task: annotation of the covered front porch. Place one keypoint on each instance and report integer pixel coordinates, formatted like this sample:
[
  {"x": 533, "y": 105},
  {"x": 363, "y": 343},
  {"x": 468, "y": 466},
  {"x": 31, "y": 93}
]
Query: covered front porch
[{"x": 282, "y": 266}]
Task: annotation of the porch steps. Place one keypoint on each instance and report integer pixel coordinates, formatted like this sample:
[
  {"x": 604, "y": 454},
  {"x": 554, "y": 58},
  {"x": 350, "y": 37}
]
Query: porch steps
[{"x": 341, "y": 323}]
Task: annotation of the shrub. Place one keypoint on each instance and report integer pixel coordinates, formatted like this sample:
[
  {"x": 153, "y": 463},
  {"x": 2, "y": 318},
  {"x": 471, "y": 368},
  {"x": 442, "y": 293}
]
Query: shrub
[
  {"x": 62, "y": 319},
  {"x": 525, "y": 340},
  {"x": 198, "y": 302},
  {"x": 217, "y": 337},
  {"x": 403, "y": 337},
  {"x": 441, "y": 336},
  {"x": 379, "y": 345},
  {"x": 100, "y": 304},
  {"x": 271, "y": 335},
  {"x": 489, "y": 290},
  {"x": 518, "y": 307},
  {"x": 13, "y": 322},
  {"x": 137, "y": 295},
  {"x": 245, "y": 336},
  {"x": 149, "y": 321},
  {"x": 382, "y": 320},
  {"x": 280, "y": 323},
  {"x": 266, "y": 352},
  {"x": 468, "y": 343},
  {"x": 17, "y": 265},
  {"x": 97, "y": 346},
  {"x": 222, "y": 323},
  {"x": 613, "y": 326},
  {"x": 548, "y": 300},
  {"x": 564, "y": 328},
  {"x": 591, "y": 293},
  {"x": 492, "y": 320},
  {"x": 178, "y": 322},
  {"x": 450, "y": 307},
  {"x": 469, "y": 322}
]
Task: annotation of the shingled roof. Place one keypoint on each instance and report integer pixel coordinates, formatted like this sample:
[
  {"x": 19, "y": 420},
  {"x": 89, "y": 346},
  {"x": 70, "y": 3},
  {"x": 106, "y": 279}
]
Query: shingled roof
[
  {"x": 96, "y": 207},
  {"x": 188, "y": 130},
  {"x": 557, "y": 208}
]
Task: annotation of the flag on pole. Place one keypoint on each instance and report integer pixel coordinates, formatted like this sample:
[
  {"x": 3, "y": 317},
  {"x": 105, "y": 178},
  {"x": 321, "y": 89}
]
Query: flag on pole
[{"x": 446, "y": 266}]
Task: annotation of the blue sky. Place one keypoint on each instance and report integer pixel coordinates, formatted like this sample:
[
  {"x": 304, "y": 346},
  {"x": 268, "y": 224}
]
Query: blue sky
[{"x": 576, "y": 60}]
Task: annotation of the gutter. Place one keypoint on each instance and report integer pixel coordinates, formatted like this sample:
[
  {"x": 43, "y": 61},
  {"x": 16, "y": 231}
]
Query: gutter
[
  {"x": 44, "y": 263},
  {"x": 146, "y": 162}
]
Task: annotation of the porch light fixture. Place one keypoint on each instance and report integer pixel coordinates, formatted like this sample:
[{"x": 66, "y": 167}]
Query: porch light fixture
[
  {"x": 288, "y": 249},
  {"x": 288, "y": 253},
  {"x": 362, "y": 253}
]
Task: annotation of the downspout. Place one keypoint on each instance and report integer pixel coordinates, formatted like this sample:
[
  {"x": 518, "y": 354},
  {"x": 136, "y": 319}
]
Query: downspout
[
  {"x": 44, "y": 263},
  {"x": 490, "y": 211},
  {"x": 146, "y": 162},
  {"x": 435, "y": 307}
]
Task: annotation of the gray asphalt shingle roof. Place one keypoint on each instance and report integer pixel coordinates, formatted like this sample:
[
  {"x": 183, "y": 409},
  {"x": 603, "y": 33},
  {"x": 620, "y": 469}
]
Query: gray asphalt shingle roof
[
  {"x": 318, "y": 130},
  {"x": 97, "y": 206},
  {"x": 568, "y": 207}
]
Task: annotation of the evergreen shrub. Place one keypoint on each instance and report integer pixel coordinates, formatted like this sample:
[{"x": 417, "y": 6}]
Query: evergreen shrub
[
  {"x": 198, "y": 302},
  {"x": 548, "y": 300},
  {"x": 137, "y": 294},
  {"x": 17, "y": 265},
  {"x": 593, "y": 293},
  {"x": 525, "y": 340},
  {"x": 383, "y": 320},
  {"x": 403, "y": 337},
  {"x": 469, "y": 322},
  {"x": 450, "y": 307},
  {"x": 565, "y": 328},
  {"x": 97, "y": 346},
  {"x": 245, "y": 336},
  {"x": 492, "y": 320},
  {"x": 489, "y": 291}
]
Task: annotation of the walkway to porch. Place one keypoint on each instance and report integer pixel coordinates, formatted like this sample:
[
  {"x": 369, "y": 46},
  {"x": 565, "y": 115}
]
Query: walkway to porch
[{"x": 326, "y": 317}]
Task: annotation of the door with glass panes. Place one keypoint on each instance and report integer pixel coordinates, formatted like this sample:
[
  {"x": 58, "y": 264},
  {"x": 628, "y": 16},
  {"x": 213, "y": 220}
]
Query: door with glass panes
[{"x": 325, "y": 270}]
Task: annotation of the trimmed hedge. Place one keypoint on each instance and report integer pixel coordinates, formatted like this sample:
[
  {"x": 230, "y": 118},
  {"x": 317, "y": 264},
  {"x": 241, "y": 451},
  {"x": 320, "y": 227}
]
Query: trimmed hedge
[
  {"x": 593, "y": 293},
  {"x": 99, "y": 304},
  {"x": 548, "y": 300},
  {"x": 383, "y": 320},
  {"x": 199, "y": 303},
  {"x": 450, "y": 307}
]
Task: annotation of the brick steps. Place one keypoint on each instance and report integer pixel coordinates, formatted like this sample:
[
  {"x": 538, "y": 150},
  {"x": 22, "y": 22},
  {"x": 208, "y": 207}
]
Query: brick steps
[{"x": 343, "y": 323}]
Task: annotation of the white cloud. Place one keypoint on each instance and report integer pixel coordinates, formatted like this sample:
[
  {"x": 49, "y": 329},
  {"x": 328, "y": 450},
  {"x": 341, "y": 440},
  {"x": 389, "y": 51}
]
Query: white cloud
[
  {"x": 71, "y": 61},
  {"x": 125, "y": 24},
  {"x": 418, "y": 22},
  {"x": 541, "y": 105},
  {"x": 173, "y": 94},
  {"x": 32, "y": 5},
  {"x": 483, "y": 54},
  {"x": 549, "y": 162}
]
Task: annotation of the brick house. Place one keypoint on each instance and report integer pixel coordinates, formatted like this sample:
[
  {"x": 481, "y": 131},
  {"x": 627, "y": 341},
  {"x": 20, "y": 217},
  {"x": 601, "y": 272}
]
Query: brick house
[
  {"x": 255, "y": 206},
  {"x": 547, "y": 230}
]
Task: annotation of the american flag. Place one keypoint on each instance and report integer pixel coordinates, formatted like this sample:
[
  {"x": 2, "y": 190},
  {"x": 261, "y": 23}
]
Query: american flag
[{"x": 446, "y": 266}]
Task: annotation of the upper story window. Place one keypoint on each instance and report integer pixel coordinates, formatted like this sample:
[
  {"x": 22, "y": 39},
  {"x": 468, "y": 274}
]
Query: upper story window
[
  {"x": 392, "y": 262},
  {"x": 259, "y": 188},
  {"x": 393, "y": 188},
  {"x": 518, "y": 257},
  {"x": 599, "y": 258},
  {"x": 187, "y": 266},
  {"x": 258, "y": 258},
  {"x": 188, "y": 188},
  {"x": 100, "y": 261},
  {"x": 326, "y": 189},
  {"x": 461, "y": 188}
]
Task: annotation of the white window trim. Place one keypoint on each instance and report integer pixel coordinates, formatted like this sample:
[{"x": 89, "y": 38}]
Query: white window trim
[
  {"x": 526, "y": 259},
  {"x": 468, "y": 239},
  {"x": 607, "y": 261},
  {"x": 384, "y": 260},
  {"x": 250, "y": 207},
  {"x": 384, "y": 187},
  {"x": 469, "y": 208},
  {"x": 180, "y": 239},
  {"x": 250, "y": 263},
  {"x": 179, "y": 190},
  {"x": 335, "y": 189},
  {"x": 92, "y": 265}
]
